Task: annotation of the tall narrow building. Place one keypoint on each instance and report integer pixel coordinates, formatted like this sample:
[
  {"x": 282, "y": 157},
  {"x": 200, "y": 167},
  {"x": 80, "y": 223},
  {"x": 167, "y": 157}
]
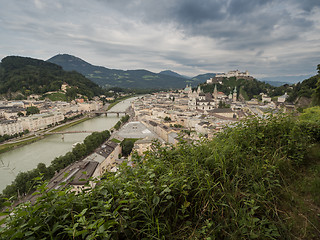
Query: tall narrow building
[
  {"x": 234, "y": 95},
  {"x": 215, "y": 92}
]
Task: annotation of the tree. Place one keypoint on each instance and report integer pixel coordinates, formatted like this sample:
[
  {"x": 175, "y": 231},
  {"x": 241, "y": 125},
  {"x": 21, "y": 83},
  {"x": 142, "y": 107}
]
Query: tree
[
  {"x": 20, "y": 114},
  {"x": 71, "y": 93},
  {"x": 316, "y": 94},
  {"x": 167, "y": 119},
  {"x": 127, "y": 145},
  {"x": 32, "y": 110}
]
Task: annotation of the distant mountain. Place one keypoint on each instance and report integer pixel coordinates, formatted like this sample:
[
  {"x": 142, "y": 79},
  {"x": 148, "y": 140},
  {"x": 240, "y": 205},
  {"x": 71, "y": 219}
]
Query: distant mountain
[
  {"x": 285, "y": 79},
  {"x": 203, "y": 77},
  {"x": 275, "y": 83},
  {"x": 34, "y": 76},
  {"x": 173, "y": 74},
  {"x": 106, "y": 77}
]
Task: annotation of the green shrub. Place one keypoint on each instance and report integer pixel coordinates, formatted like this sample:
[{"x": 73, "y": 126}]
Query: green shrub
[{"x": 236, "y": 186}]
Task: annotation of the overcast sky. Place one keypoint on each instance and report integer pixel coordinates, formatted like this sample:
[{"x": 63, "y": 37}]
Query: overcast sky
[{"x": 266, "y": 37}]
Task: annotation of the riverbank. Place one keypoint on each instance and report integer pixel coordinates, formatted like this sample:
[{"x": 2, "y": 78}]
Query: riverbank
[
  {"x": 25, "y": 140},
  {"x": 46, "y": 149},
  {"x": 119, "y": 100},
  {"x": 10, "y": 146},
  {"x": 69, "y": 124}
]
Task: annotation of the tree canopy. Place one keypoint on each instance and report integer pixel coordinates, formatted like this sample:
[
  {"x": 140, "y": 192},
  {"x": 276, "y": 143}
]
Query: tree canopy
[
  {"x": 33, "y": 76},
  {"x": 32, "y": 110}
]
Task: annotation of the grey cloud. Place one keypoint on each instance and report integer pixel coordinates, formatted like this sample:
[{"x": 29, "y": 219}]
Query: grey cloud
[
  {"x": 250, "y": 34},
  {"x": 239, "y": 7},
  {"x": 308, "y": 5}
]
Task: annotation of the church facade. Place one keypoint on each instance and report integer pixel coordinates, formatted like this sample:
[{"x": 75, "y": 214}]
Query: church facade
[{"x": 198, "y": 100}]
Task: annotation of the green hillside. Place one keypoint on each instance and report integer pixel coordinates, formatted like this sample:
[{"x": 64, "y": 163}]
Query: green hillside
[
  {"x": 309, "y": 88},
  {"x": 249, "y": 88},
  {"x": 33, "y": 76},
  {"x": 258, "y": 180},
  {"x": 172, "y": 73},
  {"x": 106, "y": 77},
  {"x": 202, "y": 78}
]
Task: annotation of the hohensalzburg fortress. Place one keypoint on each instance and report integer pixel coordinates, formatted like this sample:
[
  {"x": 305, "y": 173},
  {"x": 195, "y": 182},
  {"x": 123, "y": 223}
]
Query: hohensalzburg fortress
[{"x": 235, "y": 73}]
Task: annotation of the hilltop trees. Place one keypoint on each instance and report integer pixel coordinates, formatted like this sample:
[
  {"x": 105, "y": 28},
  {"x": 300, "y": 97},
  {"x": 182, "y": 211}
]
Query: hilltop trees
[
  {"x": 309, "y": 88},
  {"x": 32, "y": 110},
  {"x": 33, "y": 76},
  {"x": 250, "y": 87}
]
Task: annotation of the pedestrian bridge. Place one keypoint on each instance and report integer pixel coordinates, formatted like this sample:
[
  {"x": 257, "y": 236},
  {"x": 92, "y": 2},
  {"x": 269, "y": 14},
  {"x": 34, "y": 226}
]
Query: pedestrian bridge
[
  {"x": 69, "y": 132},
  {"x": 110, "y": 112}
]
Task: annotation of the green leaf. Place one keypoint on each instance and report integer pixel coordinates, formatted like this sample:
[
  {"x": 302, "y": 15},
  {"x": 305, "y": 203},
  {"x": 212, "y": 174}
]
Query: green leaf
[{"x": 156, "y": 200}]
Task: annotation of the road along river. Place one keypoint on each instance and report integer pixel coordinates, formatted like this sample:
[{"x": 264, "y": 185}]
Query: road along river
[{"x": 27, "y": 157}]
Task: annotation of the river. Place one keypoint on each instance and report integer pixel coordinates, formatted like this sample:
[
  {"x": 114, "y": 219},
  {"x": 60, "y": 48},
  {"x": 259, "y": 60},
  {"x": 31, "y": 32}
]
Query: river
[{"x": 44, "y": 151}]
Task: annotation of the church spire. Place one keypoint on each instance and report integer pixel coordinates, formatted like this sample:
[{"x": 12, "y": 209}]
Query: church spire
[{"x": 215, "y": 92}]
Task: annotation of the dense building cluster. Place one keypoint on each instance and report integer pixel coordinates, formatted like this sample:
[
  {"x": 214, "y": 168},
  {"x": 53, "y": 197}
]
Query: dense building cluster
[
  {"x": 14, "y": 119},
  {"x": 191, "y": 113}
]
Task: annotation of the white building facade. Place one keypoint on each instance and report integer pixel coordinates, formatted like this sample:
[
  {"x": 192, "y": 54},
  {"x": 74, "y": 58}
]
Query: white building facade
[
  {"x": 40, "y": 121},
  {"x": 10, "y": 127}
]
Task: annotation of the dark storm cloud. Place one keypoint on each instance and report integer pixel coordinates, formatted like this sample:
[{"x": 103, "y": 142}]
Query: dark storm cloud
[
  {"x": 264, "y": 36},
  {"x": 308, "y": 5},
  {"x": 236, "y": 24},
  {"x": 240, "y": 7}
]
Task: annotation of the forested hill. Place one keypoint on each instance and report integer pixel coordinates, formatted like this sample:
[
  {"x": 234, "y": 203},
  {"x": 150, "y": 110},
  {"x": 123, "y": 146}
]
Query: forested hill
[
  {"x": 247, "y": 89},
  {"x": 308, "y": 89},
  {"x": 107, "y": 77},
  {"x": 305, "y": 93},
  {"x": 32, "y": 76}
]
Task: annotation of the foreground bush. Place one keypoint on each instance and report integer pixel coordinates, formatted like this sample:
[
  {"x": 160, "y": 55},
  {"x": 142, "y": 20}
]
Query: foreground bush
[{"x": 240, "y": 185}]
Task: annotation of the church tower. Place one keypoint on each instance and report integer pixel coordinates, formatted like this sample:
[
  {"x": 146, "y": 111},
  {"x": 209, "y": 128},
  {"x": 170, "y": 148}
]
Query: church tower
[
  {"x": 234, "y": 95},
  {"x": 215, "y": 92},
  {"x": 199, "y": 90}
]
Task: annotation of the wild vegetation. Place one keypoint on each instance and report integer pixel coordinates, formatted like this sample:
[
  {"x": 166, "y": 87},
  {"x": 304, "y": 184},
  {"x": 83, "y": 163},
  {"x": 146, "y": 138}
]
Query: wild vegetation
[
  {"x": 257, "y": 180},
  {"x": 309, "y": 88}
]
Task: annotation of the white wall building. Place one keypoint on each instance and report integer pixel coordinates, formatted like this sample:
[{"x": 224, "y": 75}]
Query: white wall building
[
  {"x": 40, "y": 121},
  {"x": 10, "y": 127},
  {"x": 283, "y": 98},
  {"x": 89, "y": 107}
]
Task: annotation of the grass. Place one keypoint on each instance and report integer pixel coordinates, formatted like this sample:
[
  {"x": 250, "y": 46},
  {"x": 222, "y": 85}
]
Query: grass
[
  {"x": 115, "y": 140},
  {"x": 59, "y": 96},
  {"x": 9, "y": 146}
]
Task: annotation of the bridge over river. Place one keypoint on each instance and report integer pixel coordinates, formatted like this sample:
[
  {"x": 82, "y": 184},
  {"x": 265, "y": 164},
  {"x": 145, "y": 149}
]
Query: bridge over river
[
  {"x": 110, "y": 112},
  {"x": 27, "y": 157}
]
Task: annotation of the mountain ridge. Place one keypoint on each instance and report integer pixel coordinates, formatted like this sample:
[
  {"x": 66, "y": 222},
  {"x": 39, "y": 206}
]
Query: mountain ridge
[
  {"x": 172, "y": 73},
  {"x": 107, "y": 77}
]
